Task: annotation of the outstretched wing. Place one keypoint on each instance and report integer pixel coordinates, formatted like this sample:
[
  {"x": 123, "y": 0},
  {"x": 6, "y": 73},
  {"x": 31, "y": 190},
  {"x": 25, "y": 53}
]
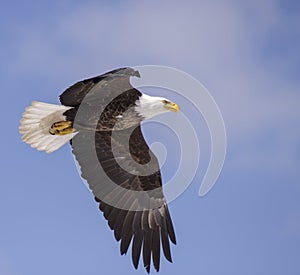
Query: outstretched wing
[
  {"x": 125, "y": 181},
  {"x": 111, "y": 89},
  {"x": 115, "y": 176},
  {"x": 116, "y": 80}
]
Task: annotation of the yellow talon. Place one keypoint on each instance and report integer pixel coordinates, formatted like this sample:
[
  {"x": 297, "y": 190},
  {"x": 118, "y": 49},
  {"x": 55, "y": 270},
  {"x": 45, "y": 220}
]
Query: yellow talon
[{"x": 61, "y": 128}]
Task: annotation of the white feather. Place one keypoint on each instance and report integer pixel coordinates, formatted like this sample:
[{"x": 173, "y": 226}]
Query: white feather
[
  {"x": 150, "y": 106},
  {"x": 36, "y": 122}
]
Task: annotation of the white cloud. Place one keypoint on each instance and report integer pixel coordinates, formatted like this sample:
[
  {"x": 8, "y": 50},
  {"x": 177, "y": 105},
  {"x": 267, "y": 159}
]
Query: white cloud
[{"x": 218, "y": 42}]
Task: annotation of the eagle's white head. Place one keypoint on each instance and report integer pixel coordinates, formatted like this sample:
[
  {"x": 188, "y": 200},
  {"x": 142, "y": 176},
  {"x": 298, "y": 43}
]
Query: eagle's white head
[{"x": 150, "y": 106}]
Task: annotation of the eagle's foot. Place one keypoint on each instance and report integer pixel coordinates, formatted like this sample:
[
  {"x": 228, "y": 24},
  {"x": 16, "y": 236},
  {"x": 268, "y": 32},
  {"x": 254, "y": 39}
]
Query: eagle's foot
[{"x": 61, "y": 128}]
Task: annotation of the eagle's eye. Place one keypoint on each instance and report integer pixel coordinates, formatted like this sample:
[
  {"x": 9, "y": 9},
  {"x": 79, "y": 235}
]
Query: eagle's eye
[{"x": 166, "y": 102}]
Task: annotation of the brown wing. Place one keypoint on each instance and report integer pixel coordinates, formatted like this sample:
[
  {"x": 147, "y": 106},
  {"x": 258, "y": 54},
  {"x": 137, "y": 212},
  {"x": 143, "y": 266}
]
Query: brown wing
[
  {"x": 143, "y": 221},
  {"x": 116, "y": 80},
  {"x": 94, "y": 92}
]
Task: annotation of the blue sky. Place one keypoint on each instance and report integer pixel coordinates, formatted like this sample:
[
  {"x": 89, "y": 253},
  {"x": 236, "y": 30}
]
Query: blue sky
[{"x": 245, "y": 52}]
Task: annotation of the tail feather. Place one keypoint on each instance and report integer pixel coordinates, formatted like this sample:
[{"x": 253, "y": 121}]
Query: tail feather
[{"x": 35, "y": 125}]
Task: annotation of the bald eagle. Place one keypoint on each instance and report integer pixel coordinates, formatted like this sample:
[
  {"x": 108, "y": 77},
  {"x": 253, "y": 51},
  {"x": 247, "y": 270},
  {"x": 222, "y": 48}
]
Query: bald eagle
[{"x": 147, "y": 226}]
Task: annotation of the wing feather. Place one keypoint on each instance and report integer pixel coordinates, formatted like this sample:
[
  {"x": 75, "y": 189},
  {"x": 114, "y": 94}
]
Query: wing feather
[
  {"x": 147, "y": 247},
  {"x": 147, "y": 228},
  {"x": 127, "y": 232},
  {"x": 156, "y": 248},
  {"x": 138, "y": 239},
  {"x": 74, "y": 95}
]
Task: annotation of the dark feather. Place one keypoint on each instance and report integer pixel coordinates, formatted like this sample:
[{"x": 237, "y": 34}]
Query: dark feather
[
  {"x": 136, "y": 248},
  {"x": 170, "y": 226},
  {"x": 127, "y": 232},
  {"x": 165, "y": 244},
  {"x": 156, "y": 248},
  {"x": 151, "y": 226},
  {"x": 147, "y": 247},
  {"x": 119, "y": 224},
  {"x": 74, "y": 95},
  {"x": 138, "y": 239}
]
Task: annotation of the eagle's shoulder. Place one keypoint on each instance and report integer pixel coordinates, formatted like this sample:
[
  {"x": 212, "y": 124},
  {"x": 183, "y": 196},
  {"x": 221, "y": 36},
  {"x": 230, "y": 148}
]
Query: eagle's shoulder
[{"x": 117, "y": 79}]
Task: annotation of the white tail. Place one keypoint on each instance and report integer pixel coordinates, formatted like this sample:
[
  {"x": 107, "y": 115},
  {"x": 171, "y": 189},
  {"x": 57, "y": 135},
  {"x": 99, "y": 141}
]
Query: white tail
[{"x": 36, "y": 122}]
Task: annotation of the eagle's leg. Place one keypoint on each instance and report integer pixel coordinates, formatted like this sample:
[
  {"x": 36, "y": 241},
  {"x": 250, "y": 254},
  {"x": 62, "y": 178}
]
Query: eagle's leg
[{"x": 61, "y": 128}]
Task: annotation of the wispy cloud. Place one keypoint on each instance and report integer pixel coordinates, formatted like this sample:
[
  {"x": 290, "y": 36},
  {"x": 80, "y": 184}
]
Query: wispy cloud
[{"x": 222, "y": 46}]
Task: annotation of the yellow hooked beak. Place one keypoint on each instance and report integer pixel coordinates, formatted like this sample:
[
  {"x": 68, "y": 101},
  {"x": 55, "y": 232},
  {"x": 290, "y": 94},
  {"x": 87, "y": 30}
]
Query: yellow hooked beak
[{"x": 171, "y": 106}]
